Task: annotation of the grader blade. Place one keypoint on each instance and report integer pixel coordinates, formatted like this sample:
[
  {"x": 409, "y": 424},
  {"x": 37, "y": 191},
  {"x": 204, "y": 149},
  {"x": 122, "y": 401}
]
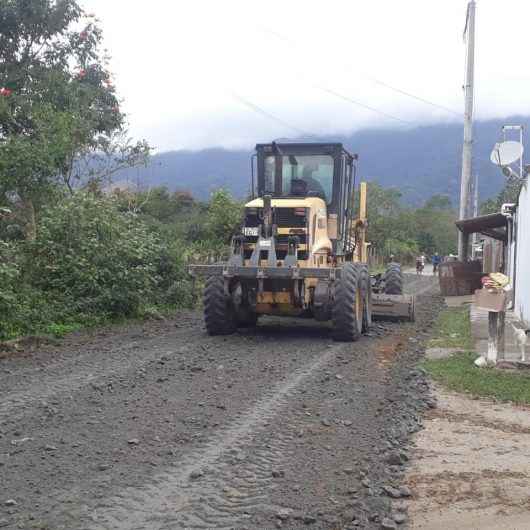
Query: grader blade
[{"x": 393, "y": 306}]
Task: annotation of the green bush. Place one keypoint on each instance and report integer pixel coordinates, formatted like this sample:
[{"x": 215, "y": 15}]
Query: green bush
[
  {"x": 22, "y": 308},
  {"x": 9, "y": 278},
  {"x": 175, "y": 286},
  {"x": 90, "y": 262},
  {"x": 102, "y": 261},
  {"x": 223, "y": 217}
]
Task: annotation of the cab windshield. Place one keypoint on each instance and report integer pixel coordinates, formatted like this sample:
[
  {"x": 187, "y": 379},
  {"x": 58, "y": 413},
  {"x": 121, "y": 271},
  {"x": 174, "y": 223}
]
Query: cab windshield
[{"x": 291, "y": 175}]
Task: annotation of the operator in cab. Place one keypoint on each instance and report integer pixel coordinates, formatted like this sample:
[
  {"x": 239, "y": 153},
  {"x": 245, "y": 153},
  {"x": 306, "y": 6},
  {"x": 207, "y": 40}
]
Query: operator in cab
[{"x": 314, "y": 187}]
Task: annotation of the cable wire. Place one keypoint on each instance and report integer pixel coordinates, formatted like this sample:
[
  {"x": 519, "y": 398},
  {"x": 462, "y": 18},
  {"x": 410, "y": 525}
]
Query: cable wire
[
  {"x": 359, "y": 104},
  {"x": 270, "y": 116},
  {"x": 419, "y": 98},
  {"x": 372, "y": 79}
]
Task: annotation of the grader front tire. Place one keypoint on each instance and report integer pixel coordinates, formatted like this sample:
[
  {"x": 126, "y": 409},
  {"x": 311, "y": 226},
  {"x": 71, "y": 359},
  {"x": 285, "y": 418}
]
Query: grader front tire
[
  {"x": 348, "y": 304},
  {"x": 219, "y": 315}
]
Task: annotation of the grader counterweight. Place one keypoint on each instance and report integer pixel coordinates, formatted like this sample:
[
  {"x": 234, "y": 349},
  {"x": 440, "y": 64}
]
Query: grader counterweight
[{"x": 302, "y": 251}]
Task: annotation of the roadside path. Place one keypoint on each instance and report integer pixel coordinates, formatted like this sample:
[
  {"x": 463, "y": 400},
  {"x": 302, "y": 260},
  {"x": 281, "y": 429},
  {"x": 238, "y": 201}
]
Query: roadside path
[{"x": 471, "y": 468}]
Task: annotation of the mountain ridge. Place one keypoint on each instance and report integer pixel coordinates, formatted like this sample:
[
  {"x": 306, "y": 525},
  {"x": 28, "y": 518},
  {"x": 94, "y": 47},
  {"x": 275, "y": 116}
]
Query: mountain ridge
[{"x": 422, "y": 161}]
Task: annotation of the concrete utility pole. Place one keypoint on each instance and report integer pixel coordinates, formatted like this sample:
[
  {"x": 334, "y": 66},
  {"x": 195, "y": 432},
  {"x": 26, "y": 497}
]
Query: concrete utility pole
[
  {"x": 467, "y": 151},
  {"x": 474, "y": 242}
]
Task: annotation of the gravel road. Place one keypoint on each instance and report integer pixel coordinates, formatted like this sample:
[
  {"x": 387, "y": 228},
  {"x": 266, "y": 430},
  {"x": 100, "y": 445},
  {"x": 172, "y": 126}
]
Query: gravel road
[{"x": 158, "y": 426}]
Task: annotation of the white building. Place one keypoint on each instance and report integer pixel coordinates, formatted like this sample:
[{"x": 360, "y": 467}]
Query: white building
[{"x": 521, "y": 256}]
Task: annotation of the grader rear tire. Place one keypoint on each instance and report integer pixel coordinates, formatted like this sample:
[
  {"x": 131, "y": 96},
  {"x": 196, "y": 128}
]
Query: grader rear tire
[
  {"x": 348, "y": 304},
  {"x": 219, "y": 315},
  {"x": 393, "y": 280}
]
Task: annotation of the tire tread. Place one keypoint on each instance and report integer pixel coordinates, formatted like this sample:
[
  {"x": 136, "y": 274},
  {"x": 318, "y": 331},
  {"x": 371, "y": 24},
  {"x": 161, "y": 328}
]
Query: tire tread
[
  {"x": 346, "y": 328},
  {"x": 218, "y": 314}
]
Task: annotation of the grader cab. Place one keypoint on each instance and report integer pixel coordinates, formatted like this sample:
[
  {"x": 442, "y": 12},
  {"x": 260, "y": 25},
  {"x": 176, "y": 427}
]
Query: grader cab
[{"x": 302, "y": 250}]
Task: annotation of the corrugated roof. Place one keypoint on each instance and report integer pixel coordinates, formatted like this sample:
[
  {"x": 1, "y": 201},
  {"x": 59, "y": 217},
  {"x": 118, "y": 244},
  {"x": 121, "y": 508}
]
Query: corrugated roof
[{"x": 491, "y": 225}]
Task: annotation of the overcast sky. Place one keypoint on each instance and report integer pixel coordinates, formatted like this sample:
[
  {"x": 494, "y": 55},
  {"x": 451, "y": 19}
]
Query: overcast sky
[{"x": 190, "y": 71}]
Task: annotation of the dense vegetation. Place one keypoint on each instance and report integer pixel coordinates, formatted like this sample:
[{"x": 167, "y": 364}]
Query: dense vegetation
[
  {"x": 98, "y": 257},
  {"x": 508, "y": 194},
  {"x": 72, "y": 254},
  {"x": 405, "y": 231}
]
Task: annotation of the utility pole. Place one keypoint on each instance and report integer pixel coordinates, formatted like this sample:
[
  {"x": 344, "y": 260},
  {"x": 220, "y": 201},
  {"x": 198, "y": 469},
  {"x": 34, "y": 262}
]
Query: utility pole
[
  {"x": 467, "y": 151},
  {"x": 475, "y": 213}
]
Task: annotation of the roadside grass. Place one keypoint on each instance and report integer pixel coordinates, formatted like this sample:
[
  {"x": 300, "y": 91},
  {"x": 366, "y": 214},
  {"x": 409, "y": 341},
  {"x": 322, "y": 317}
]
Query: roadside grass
[
  {"x": 458, "y": 371},
  {"x": 453, "y": 330},
  {"x": 460, "y": 374},
  {"x": 60, "y": 330}
]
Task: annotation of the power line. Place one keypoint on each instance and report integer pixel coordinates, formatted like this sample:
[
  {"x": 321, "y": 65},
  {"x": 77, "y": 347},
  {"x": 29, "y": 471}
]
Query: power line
[
  {"x": 423, "y": 100},
  {"x": 270, "y": 116},
  {"x": 372, "y": 79},
  {"x": 359, "y": 104}
]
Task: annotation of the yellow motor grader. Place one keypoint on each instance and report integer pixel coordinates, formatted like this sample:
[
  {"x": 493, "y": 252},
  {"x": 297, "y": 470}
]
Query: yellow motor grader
[{"x": 302, "y": 251}]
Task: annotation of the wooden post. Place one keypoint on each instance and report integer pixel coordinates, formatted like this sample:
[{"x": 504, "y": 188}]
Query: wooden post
[
  {"x": 495, "y": 336},
  {"x": 465, "y": 246},
  {"x": 500, "y": 334},
  {"x": 363, "y": 197}
]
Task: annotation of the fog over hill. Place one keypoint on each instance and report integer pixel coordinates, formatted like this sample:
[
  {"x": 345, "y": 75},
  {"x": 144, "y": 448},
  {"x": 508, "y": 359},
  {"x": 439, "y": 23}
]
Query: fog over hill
[{"x": 421, "y": 162}]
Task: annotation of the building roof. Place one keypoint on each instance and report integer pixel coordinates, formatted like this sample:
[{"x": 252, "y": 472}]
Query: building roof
[{"x": 491, "y": 225}]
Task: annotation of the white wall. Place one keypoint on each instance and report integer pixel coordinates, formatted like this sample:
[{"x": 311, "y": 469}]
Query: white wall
[{"x": 522, "y": 280}]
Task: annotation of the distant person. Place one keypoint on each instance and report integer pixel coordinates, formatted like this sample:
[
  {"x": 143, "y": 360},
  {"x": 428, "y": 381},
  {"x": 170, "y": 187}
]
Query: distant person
[
  {"x": 436, "y": 260},
  {"x": 420, "y": 264}
]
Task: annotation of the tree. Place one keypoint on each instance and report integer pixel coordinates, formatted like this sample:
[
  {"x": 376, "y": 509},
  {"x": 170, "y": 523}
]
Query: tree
[
  {"x": 435, "y": 226},
  {"x": 58, "y": 105},
  {"x": 223, "y": 217},
  {"x": 426, "y": 243},
  {"x": 386, "y": 219},
  {"x": 404, "y": 231},
  {"x": 509, "y": 193},
  {"x": 438, "y": 202}
]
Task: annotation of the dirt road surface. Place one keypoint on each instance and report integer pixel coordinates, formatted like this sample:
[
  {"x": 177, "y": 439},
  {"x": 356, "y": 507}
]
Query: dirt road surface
[
  {"x": 158, "y": 426},
  {"x": 471, "y": 466}
]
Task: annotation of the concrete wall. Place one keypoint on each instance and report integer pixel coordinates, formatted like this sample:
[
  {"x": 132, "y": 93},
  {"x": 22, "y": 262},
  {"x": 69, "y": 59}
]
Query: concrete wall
[{"x": 522, "y": 279}]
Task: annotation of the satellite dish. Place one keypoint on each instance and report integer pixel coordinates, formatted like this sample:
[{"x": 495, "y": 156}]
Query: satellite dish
[{"x": 505, "y": 153}]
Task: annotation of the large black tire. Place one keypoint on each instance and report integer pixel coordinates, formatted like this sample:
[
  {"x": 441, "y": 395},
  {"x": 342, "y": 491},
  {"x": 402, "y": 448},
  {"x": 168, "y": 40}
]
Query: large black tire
[
  {"x": 244, "y": 315},
  {"x": 393, "y": 280},
  {"x": 347, "y": 310},
  {"x": 219, "y": 315},
  {"x": 366, "y": 286}
]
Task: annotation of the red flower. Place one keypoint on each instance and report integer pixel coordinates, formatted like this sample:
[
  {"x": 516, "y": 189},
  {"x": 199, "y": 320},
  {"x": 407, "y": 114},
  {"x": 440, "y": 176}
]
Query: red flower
[
  {"x": 83, "y": 35},
  {"x": 116, "y": 109},
  {"x": 5, "y": 92},
  {"x": 81, "y": 74}
]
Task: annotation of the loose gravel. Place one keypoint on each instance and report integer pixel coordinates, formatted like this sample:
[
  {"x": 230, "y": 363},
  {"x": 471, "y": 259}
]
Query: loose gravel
[{"x": 158, "y": 426}]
